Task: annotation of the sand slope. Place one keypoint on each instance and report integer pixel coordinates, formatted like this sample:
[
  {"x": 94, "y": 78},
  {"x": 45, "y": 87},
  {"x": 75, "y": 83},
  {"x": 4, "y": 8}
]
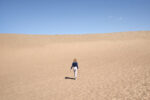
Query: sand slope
[{"x": 114, "y": 66}]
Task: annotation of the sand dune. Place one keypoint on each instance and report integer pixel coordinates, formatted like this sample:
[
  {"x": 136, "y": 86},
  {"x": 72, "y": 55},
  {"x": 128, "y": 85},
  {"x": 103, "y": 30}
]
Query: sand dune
[{"x": 113, "y": 66}]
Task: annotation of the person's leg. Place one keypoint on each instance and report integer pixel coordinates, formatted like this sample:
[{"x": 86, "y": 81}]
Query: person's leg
[{"x": 75, "y": 72}]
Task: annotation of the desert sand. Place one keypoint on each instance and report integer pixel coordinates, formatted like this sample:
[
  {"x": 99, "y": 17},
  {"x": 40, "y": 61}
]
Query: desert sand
[{"x": 113, "y": 66}]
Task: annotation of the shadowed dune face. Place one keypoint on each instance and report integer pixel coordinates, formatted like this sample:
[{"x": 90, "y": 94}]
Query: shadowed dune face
[{"x": 114, "y": 66}]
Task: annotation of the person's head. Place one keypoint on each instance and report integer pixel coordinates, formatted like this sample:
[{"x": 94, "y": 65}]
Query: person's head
[{"x": 74, "y": 60}]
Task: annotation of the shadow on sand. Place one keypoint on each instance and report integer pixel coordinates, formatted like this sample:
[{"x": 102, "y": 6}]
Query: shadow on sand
[{"x": 70, "y": 78}]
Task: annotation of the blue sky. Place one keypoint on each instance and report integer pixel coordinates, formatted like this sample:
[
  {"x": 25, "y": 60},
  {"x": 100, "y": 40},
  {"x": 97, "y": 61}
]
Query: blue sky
[{"x": 73, "y": 16}]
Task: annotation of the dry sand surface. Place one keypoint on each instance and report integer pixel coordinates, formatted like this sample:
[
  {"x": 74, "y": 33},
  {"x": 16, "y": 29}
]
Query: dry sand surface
[{"x": 113, "y": 66}]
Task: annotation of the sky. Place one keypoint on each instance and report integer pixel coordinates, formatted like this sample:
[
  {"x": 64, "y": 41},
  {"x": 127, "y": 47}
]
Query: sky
[{"x": 73, "y": 16}]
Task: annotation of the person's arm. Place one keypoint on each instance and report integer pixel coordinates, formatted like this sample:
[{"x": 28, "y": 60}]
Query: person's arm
[
  {"x": 77, "y": 66},
  {"x": 71, "y": 67}
]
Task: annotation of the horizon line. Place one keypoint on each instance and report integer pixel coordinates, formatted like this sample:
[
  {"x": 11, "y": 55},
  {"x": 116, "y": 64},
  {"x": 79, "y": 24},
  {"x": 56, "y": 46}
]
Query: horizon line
[{"x": 71, "y": 33}]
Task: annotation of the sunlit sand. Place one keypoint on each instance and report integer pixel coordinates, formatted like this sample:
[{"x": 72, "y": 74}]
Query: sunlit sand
[{"x": 113, "y": 66}]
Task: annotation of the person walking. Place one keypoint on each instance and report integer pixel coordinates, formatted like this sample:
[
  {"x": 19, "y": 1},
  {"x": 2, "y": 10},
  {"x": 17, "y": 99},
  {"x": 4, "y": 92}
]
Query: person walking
[{"x": 75, "y": 67}]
